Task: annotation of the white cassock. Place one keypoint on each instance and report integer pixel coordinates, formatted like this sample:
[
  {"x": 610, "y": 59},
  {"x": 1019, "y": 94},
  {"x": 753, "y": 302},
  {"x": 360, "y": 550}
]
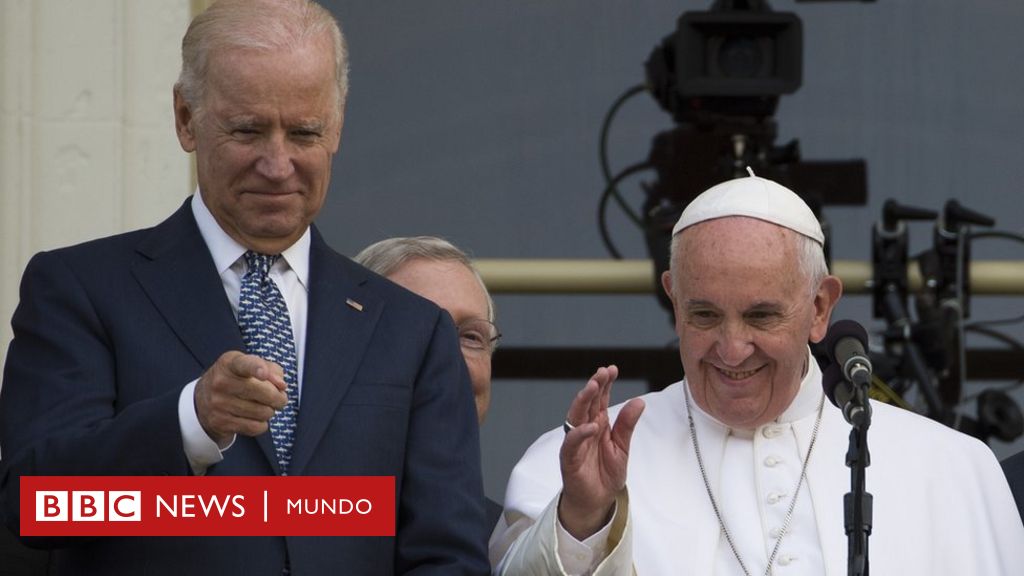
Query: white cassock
[{"x": 941, "y": 502}]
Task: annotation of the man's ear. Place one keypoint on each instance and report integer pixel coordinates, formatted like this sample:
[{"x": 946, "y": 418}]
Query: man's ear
[
  {"x": 666, "y": 285},
  {"x": 183, "y": 117},
  {"x": 825, "y": 299}
]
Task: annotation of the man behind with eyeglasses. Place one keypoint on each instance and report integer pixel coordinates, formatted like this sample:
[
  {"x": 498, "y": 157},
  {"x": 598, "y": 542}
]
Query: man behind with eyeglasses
[{"x": 442, "y": 273}]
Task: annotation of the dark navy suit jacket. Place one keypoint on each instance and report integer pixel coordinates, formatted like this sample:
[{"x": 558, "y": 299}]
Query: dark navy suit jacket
[
  {"x": 108, "y": 332},
  {"x": 1013, "y": 467}
]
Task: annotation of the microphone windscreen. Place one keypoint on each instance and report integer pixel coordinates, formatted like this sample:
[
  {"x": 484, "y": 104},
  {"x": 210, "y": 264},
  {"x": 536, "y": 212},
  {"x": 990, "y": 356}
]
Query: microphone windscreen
[
  {"x": 831, "y": 378},
  {"x": 844, "y": 329}
]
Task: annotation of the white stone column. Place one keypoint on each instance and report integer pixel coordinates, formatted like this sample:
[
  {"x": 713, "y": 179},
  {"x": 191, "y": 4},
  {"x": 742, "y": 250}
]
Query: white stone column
[{"x": 87, "y": 143}]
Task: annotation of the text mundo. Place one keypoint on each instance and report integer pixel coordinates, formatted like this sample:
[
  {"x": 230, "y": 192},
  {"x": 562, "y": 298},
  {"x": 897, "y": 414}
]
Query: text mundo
[{"x": 335, "y": 506}]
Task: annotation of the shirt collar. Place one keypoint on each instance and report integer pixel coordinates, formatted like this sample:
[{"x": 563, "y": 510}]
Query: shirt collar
[
  {"x": 226, "y": 250},
  {"x": 807, "y": 398}
]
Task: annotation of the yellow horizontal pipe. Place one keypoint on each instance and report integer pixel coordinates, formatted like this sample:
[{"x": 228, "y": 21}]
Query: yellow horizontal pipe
[{"x": 554, "y": 276}]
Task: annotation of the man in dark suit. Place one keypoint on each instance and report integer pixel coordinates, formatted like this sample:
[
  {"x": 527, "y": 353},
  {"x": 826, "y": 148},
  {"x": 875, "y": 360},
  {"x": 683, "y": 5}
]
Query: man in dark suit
[
  {"x": 231, "y": 340},
  {"x": 1013, "y": 467}
]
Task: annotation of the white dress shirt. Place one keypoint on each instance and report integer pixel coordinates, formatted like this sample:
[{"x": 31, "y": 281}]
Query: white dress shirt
[{"x": 290, "y": 273}]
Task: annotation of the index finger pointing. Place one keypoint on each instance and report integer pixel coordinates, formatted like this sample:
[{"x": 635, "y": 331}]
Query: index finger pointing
[
  {"x": 251, "y": 366},
  {"x": 276, "y": 376}
]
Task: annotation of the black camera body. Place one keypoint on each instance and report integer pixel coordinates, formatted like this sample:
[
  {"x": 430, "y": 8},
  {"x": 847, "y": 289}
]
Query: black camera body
[{"x": 735, "y": 59}]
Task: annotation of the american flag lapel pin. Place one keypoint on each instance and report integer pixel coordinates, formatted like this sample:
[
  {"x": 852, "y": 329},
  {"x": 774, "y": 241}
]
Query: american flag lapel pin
[{"x": 353, "y": 304}]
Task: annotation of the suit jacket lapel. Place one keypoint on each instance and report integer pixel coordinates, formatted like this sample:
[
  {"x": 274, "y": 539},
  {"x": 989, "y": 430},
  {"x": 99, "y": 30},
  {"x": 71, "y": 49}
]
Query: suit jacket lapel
[
  {"x": 180, "y": 278},
  {"x": 178, "y": 275},
  {"x": 337, "y": 335}
]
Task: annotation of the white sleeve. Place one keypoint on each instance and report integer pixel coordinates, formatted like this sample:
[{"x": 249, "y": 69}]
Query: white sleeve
[
  {"x": 543, "y": 547},
  {"x": 201, "y": 451},
  {"x": 580, "y": 558}
]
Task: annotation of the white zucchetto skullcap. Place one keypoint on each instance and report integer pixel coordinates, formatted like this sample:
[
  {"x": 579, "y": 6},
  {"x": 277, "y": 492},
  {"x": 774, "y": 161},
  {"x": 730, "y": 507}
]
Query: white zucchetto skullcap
[{"x": 754, "y": 197}]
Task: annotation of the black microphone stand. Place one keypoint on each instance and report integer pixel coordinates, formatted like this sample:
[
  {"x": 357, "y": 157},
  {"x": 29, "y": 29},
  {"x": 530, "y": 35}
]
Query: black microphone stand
[
  {"x": 857, "y": 504},
  {"x": 846, "y": 382}
]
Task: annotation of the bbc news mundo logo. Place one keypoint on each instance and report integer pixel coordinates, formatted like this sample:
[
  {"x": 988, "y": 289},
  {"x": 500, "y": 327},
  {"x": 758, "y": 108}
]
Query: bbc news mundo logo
[{"x": 207, "y": 506}]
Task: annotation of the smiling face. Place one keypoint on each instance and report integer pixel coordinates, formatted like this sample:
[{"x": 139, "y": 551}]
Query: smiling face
[
  {"x": 268, "y": 127},
  {"x": 744, "y": 315}
]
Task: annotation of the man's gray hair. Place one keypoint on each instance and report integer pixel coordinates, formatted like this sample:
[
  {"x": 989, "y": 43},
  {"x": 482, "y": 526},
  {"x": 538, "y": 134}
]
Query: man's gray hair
[
  {"x": 255, "y": 24},
  {"x": 387, "y": 256},
  {"x": 810, "y": 256}
]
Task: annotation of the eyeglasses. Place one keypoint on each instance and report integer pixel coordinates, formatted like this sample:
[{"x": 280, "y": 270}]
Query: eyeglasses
[{"x": 478, "y": 336}]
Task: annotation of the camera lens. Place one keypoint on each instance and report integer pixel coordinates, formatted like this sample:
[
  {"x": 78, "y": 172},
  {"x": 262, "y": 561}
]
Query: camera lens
[{"x": 740, "y": 57}]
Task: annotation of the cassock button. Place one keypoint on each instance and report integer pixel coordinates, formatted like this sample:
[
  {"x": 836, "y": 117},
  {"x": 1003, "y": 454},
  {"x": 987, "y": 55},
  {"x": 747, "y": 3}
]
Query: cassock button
[
  {"x": 771, "y": 431},
  {"x": 775, "y": 497},
  {"x": 786, "y": 560},
  {"x": 775, "y": 533},
  {"x": 771, "y": 461}
]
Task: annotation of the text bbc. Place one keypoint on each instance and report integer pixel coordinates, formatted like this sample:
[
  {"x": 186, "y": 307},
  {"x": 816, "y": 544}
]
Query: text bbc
[{"x": 88, "y": 506}]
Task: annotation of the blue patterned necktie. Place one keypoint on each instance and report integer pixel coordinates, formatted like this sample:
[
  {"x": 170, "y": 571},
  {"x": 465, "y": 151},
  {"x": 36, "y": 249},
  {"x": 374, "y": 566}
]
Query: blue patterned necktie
[{"x": 267, "y": 333}]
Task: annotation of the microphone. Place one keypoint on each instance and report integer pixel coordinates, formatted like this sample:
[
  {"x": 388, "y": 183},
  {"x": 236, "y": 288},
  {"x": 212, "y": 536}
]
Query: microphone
[{"x": 847, "y": 379}]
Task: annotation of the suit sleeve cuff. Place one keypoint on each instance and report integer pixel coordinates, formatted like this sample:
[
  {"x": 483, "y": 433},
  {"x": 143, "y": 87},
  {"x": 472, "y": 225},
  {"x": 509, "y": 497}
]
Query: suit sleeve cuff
[{"x": 201, "y": 451}]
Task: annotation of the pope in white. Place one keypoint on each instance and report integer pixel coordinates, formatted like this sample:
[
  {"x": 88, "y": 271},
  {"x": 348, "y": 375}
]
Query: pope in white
[{"x": 740, "y": 468}]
